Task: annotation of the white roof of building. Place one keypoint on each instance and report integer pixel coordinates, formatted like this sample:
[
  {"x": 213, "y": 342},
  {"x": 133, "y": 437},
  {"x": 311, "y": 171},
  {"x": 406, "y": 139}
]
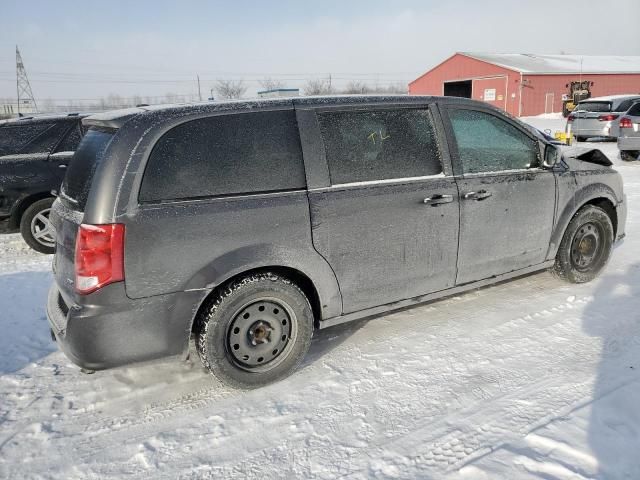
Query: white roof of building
[{"x": 558, "y": 64}]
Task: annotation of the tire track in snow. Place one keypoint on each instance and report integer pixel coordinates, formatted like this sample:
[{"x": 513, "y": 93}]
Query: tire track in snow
[
  {"x": 205, "y": 396},
  {"x": 135, "y": 428}
]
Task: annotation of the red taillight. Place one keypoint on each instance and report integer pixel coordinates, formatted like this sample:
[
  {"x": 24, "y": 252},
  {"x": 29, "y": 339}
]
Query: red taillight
[
  {"x": 607, "y": 118},
  {"x": 625, "y": 122},
  {"x": 99, "y": 256},
  {"x": 571, "y": 118}
]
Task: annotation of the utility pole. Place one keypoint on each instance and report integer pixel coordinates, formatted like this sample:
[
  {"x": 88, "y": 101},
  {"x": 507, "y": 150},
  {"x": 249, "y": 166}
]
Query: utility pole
[
  {"x": 199, "y": 93},
  {"x": 581, "y": 60},
  {"x": 23, "y": 86},
  {"x": 329, "y": 83}
]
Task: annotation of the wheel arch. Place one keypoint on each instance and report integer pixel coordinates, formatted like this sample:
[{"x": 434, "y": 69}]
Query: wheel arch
[
  {"x": 296, "y": 276},
  {"x": 21, "y": 206},
  {"x": 603, "y": 198}
]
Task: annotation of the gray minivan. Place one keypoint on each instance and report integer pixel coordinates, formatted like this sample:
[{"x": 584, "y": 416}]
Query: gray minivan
[{"x": 247, "y": 225}]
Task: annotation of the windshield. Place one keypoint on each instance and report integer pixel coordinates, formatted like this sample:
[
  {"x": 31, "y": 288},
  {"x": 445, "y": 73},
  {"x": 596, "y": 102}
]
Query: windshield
[
  {"x": 77, "y": 181},
  {"x": 593, "y": 107}
]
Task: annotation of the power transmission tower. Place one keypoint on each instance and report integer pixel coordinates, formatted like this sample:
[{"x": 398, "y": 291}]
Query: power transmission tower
[{"x": 25, "y": 95}]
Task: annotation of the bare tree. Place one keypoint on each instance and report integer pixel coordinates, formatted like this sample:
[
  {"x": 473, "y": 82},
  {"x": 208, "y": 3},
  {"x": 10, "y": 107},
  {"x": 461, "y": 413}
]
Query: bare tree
[
  {"x": 398, "y": 88},
  {"x": 318, "y": 86},
  {"x": 114, "y": 101},
  {"x": 171, "y": 97},
  {"x": 269, "y": 83},
  {"x": 48, "y": 106},
  {"x": 357, "y": 87},
  {"x": 230, "y": 88}
]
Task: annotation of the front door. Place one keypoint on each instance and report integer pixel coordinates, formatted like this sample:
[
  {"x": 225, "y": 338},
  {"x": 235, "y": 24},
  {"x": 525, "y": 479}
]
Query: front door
[
  {"x": 507, "y": 200},
  {"x": 388, "y": 223}
]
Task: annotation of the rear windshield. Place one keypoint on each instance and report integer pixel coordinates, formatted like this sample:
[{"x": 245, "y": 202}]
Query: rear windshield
[
  {"x": 77, "y": 181},
  {"x": 594, "y": 107}
]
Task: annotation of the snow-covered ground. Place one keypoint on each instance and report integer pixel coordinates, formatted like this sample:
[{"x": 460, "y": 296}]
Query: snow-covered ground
[{"x": 533, "y": 378}]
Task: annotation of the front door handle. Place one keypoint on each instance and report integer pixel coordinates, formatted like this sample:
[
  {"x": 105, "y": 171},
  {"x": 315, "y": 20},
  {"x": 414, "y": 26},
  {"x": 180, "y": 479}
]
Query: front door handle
[
  {"x": 436, "y": 200},
  {"x": 479, "y": 195}
]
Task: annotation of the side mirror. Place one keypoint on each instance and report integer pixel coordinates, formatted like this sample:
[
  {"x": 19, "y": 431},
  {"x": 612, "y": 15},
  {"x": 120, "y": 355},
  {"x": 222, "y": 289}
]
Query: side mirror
[{"x": 551, "y": 156}]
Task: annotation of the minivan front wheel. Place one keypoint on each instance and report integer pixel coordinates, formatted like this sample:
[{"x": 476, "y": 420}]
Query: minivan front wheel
[
  {"x": 36, "y": 228},
  {"x": 256, "y": 331},
  {"x": 586, "y": 245}
]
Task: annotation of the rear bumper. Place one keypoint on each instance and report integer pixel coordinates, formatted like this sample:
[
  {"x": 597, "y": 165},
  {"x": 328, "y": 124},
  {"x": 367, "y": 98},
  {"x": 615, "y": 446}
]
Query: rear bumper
[
  {"x": 592, "y": 132},
  {"x": 115, "y": 330},
  {"x": 629, "y": 143}
]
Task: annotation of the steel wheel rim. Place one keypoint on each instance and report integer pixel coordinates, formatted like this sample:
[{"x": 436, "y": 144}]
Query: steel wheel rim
[
  {"x": 262, "y": 340},
  {"x": 42, "y": 229},
  {"x": 587, "y": 246}
]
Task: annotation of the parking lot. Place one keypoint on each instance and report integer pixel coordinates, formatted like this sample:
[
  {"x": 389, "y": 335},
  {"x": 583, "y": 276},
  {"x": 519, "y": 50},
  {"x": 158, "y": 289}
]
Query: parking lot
[{"x": 534, "y": 378}]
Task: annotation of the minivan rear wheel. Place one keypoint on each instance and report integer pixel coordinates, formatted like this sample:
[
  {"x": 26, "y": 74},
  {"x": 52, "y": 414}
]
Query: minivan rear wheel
[
  {"x": 586, "y": 245},
  {"x": 36, "y": 228},
  {"x": 256, "y": 331}
]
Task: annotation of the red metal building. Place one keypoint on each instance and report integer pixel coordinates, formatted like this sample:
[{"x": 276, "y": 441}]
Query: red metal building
[{"x": 524, "y": 84}]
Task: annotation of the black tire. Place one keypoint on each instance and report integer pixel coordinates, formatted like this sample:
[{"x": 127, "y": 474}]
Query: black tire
[
  {"x": 35, "y": 222},
  {"x": 586, "y": 246},
  {"x": 581, "y": 139},
  {"x": 629, "y": 155},
  {"x": 242, "y": 343}
]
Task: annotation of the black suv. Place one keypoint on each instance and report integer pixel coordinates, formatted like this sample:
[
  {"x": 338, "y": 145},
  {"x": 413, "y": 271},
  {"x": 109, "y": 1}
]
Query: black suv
[
  {"x": 251, "y": 224},
  {"x": 34, "y": 154}
]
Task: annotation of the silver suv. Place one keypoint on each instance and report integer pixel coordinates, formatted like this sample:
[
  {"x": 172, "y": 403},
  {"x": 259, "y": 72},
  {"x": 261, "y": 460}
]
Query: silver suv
[
  {"x": 629, "y": 138},
  {"x": 599, "y": 117}
]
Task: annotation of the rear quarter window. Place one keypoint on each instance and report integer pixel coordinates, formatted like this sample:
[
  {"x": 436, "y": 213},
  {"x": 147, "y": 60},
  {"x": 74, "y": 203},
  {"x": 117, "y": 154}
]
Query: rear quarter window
[
  {"x": 624, "y": 106},
  {"x": 77, "y": 181},
  {"x": 635, "y": 110},
  {"x": 225, "y": 155}
]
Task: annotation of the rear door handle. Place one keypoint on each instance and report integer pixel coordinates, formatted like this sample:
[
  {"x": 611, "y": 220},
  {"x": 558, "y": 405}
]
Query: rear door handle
[
  {"x": 436, "y": 200},
  {"x": 479, "y": 195}
]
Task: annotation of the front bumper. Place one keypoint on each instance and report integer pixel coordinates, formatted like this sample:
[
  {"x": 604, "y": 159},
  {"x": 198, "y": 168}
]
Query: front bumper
[
  {"x": 621, "y": 210},
  {"x": 115, "y": 330}
]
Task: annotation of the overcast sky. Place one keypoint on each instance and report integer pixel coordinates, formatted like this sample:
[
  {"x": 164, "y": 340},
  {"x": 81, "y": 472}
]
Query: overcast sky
[{"x": 85, "y": 49}]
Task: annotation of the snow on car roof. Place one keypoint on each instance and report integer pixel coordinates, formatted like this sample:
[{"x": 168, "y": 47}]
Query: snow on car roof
[
  {"x": 555, "y": 64},
  {"x": 116, "y": 118}
]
